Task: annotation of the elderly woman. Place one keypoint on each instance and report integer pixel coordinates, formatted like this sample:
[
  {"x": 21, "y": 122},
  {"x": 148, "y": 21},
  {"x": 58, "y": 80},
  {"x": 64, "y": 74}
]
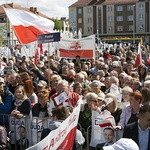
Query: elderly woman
[
  {"x": 126, "y": 91},
  {"x": 129, "y": 113},
  {"x": 95, "y": 87},
  {"x": 40, "y": 109}
]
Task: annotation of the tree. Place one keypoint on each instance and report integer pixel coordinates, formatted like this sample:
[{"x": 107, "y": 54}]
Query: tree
[{"x": 58, "y": 25}]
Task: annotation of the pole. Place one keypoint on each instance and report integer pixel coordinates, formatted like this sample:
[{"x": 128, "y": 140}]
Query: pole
[
  {"x": 133, "y": 25},
  {"x": 97, "y": 30}
]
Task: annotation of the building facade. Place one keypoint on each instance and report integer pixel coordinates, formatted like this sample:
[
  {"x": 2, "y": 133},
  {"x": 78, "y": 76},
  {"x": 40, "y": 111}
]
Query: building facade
[{"x": 111, "y": 18}]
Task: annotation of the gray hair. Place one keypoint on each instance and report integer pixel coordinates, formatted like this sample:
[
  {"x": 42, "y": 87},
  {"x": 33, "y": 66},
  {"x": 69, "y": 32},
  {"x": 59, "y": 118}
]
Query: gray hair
[{"x": 90, "y": 96}]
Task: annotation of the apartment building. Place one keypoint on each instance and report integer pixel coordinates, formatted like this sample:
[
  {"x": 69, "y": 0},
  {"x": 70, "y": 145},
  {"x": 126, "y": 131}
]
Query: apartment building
[{"x": 111, "y": 18}]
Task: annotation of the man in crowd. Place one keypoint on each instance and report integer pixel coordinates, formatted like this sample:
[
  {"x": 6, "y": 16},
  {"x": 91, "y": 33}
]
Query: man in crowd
[{"x": 140, "y": 131}]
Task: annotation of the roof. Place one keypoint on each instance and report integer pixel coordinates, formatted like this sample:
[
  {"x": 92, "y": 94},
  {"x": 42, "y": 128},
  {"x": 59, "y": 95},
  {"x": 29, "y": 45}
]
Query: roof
[
  {"x": 31, "y": 9},
  {"x": 80, "y": 3},
  {"x": 108, "y": 2}
]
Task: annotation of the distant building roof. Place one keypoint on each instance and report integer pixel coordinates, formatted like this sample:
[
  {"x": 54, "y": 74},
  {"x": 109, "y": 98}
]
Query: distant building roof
[
  {"x": 80, "y": 3},
  {"x": 107, "y": 2}
]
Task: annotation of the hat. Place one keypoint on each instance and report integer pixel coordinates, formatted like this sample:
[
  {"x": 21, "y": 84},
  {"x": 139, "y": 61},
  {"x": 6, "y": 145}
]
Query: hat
[
  {"x": 108, "y": 100},
  {"x": 123, "y": 144},
  {"x": 42, "y": 83},
  {"x": 40, "y": 64},
  {"x": 1, "y": 80}
]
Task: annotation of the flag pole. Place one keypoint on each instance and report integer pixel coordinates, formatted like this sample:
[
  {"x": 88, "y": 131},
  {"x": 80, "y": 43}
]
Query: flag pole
[{"x": 49, "y": 65}]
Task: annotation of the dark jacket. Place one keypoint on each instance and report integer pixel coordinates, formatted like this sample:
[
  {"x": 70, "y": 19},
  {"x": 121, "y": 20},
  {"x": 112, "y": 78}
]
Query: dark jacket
[
  {"x": 131, "y": 131},
  {"x": 7, "y": 106},
  {"x": 25, "y": 107},
  {"x": 3, "y": 138},
  {"x": 37, "y": 108},
  {"x": 22, "y": 146}
]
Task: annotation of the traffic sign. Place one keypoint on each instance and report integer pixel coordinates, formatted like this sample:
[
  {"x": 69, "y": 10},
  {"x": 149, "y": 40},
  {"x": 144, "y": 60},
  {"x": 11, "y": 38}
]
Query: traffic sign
[{"x": 48, "y": 38}]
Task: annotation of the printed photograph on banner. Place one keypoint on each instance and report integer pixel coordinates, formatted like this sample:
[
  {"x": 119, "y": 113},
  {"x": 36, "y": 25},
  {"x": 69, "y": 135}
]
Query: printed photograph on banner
[{"x": 19, "y": 132}]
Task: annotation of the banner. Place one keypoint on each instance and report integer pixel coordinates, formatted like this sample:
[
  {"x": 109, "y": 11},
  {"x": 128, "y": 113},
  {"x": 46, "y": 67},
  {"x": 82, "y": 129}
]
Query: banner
[
  {"x": 85, "y": 47},
  {"x": 27, "y": 128},
  {"x": 99, "y": 122},
  {"x": 63, "y": 137}
]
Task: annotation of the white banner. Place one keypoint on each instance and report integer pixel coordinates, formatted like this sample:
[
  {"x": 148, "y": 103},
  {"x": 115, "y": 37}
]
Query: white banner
[
  {"x": 85, "y": 47},
  {"x": 63, "y": 137}
]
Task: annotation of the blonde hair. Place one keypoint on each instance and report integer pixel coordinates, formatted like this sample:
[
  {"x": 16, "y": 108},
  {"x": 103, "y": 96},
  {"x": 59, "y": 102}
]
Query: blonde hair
[{"x": 23, "y": 91}]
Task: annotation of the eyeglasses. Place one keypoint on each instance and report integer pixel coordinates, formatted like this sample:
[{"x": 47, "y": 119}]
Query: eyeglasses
[
  {"x": 115, "y": 67},
  {"x": 97, "y": 101},
  {"x": 43, "y": 92}
]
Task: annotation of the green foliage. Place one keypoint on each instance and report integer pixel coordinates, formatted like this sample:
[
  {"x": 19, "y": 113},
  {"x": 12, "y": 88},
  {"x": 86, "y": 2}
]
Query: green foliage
[{"x": 58, "y": 25}]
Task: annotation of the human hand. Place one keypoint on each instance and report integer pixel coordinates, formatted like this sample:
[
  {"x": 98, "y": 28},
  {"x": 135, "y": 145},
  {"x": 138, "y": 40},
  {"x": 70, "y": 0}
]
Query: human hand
[{"x": 116, "y": 128}]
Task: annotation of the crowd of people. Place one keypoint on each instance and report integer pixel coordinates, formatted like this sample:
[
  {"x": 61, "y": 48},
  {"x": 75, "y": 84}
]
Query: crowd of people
[{"x": 108, "y": 86}]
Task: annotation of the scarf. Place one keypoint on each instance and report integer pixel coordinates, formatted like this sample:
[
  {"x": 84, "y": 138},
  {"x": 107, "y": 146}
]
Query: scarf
[{"x": 18, "y": 103}]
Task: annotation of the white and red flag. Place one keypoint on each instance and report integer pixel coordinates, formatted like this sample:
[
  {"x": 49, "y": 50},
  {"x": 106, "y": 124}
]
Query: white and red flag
[
  {"x": 28, "y": 25},
  {"x": 85, "y": 47},
  {"x": 138, "y": 57}
]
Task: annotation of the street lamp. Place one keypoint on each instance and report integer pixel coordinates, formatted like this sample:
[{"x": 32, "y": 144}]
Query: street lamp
[{"x": 133, "y": 26}]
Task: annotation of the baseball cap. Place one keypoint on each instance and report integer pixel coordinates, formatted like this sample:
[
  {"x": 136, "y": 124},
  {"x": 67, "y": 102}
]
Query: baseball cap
[
  {"x": 1, "y": 80},
  {"x": 42, "y": 83},
  {"x": 123, "y": 144}
]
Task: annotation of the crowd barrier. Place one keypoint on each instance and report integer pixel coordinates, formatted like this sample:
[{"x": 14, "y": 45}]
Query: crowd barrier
[{"x": 31, "y": 128}]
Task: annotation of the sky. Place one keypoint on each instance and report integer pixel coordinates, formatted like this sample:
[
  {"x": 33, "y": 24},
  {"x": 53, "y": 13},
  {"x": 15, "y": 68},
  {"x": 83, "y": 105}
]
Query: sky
[{"x": 51, "y": 8}]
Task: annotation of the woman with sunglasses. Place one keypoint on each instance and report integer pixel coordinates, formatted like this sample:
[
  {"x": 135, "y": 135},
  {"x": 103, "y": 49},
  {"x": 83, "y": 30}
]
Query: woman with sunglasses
[{"x": 40, "y": 109}]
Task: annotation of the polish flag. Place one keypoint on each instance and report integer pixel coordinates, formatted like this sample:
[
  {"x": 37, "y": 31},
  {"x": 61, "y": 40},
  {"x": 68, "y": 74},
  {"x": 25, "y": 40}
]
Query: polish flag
[
  {"x": 36, "y": 57},
  {"x": 104, "y": 123},
  {"x": 138, "y": 57},
  {"x": 41, "y": 48},
  {"x": 28, "y": 25}
]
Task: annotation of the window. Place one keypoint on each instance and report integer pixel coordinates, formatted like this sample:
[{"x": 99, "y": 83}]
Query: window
[
  {"x": 119, "y": 28},
  {"x": 119, "y": 8},
  {"x": 89, "y": 29},
  {"x": 109, "y": 18},
  {"x": 141, "y": 17},
  {"x": 89, "y": 20},
  {"x": 79, "y": 20},
  {"x": 79, "y": 11},
  {"x": 110, "y": 28},
  {"x": 130, "y": 18},
  {"x": 141, "y": 27},
  {"x": 119, "y": 18},
  {"x": 109, "y": 9},
  {"x": 130, "y": 7},
  {"x": 89, "y": 10},
  {"x": 141, "y": 6},
  {"x": 130, "y": 28}
]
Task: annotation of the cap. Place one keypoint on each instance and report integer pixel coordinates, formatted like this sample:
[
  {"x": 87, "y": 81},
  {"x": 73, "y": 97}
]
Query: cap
[
  {"x": 108, "y": 100},
  {"x": 123, "y": 144},
  {"x": 1, "y": 80},
  {"x": 42, "y": 83},
  {"x": 40, "y": 64}
]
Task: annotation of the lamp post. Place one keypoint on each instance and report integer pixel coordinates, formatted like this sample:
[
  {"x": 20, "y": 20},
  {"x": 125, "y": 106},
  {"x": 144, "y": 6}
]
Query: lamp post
[{"x": 133, "y": 26}]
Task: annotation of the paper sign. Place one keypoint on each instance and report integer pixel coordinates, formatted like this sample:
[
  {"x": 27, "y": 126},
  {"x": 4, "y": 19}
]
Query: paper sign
[{"x": 61, "y": 98}]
